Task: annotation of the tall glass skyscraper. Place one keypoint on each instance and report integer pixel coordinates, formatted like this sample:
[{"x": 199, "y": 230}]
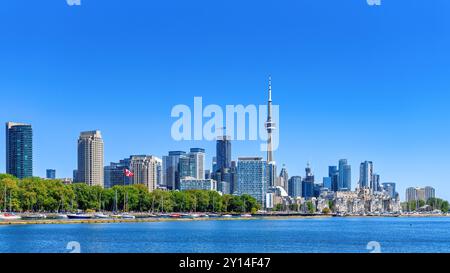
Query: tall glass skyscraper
[
  {"x": 345, "y": 176},
  {"x": 223, "y": 153},
  {"x": 295, "y": 187},
  {"x": 170, "y": 169},
  {"x": 252, "y": 178},
  {"x": 366, "y": 175},
  {"x": 19, "y": 150}
]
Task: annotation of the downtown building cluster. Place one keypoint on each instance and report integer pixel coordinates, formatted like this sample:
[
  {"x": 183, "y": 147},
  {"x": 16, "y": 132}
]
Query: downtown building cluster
[{"x": 254, "y": 175}]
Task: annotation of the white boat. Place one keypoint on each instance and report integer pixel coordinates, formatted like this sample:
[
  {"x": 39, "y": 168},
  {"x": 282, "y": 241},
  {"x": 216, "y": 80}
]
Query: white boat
[
  {"x": 9, "y": 216},
  {"x": 227, "y": 216},
  {"x": 246, "y": 216},
  {"x": 34, "y": 217},
  {"x": 101, "y": 216},
  {"x": 127, "y": 216}
]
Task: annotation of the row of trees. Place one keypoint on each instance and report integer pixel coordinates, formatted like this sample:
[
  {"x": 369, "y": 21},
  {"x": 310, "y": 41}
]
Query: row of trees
[
  {"x": 433, "y": 203},
  {"x": 40, "y": 195}
]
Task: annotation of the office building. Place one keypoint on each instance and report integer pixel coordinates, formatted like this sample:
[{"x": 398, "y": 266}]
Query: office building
[
  {"x": 345, "y": 176},
  {"x": 191, "y": 183},
  {"x": 366, "y": 175},
  {"x": 115, "y": 174},
  {"x": 223, "y": 153},
  {"x": 197, "y": 160},
  {"x": 19, "y": 150},
  {"x": 252, "y": 178},
  {"x": 308, "y": 183},
  {"x": 50, "y": 174},
  {"x": 295, "y": 187},
  {"x": 170, "y": 169}
]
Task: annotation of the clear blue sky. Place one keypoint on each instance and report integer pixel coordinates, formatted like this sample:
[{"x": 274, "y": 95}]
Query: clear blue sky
[{"x": 352, "y": 81}]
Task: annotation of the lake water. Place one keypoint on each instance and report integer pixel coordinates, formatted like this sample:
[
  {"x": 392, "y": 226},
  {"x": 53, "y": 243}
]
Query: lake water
[{"x": 321, "y": 235}]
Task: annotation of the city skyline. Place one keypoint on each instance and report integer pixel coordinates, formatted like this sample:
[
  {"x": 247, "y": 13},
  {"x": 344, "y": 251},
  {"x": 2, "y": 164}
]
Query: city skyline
[{"x": 354, "y": 83}]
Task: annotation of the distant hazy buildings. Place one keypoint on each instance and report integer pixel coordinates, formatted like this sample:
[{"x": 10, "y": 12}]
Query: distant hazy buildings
[
  {"x": 420, "y": 194},
  {"x": 90, "y": 158},
  {"x": 19, "y": 150},
  {"x": 252, "y": 178},
  {"x": 191, "y": 183},
  {"x": 50, "y": 174}
]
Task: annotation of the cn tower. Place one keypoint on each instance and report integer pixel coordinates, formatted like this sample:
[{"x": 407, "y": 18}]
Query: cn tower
[{"x": 270, "y": 125}]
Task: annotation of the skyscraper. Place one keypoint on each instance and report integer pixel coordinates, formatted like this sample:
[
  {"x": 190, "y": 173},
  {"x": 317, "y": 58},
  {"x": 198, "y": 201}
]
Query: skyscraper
[
  {"x": 252, "y": 178},
  {"x": 90, "y": 158},
  {"x": 332, "y": 181},
  {"x": 197, "y": 160},
  {"x": 19, "y": 150},
  {"x": 366, "y": 175},
  {"x": 376, "y": 186},
  {"x": 284, "y": 179},
  {"x": 308, "y": 183},
  {"x": 50, "y": 174},
  {"x": 295, "y": 187},
  {"x": 171, "y": 175},
  {"x": 223, "y": 153},
  {"x": 345, "y": 176}
]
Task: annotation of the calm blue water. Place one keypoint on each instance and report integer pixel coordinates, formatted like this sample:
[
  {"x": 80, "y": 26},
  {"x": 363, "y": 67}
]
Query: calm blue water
[{"x": 340, "y": 235}]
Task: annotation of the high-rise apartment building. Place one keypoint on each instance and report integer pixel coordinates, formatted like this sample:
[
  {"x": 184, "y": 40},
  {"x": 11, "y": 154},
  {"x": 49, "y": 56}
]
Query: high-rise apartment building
[
  {"x": 19, "y": 150},
  {"x": 90, "y": 159}
]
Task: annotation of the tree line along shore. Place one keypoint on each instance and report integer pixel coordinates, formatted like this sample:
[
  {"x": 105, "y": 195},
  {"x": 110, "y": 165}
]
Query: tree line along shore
[{"x": 42, "y": 195}]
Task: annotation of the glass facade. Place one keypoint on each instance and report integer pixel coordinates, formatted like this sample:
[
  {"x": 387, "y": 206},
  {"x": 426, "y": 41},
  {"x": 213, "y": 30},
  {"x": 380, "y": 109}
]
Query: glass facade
[
  {"x": 51, "y": 174},
  {"x": 19, "y": 150},
  {"x": 295, "y": 187},
  {"x": 252, "y": 178}
]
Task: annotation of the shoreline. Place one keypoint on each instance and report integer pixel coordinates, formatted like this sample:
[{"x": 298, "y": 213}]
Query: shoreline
[{"x": 161, "y": 219}]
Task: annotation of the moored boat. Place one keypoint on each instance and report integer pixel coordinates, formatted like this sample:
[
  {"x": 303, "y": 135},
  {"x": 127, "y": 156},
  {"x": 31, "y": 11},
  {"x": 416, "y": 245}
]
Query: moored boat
[
  {"x": 227, "y": 216},
  {"x": 246, "y": 216},
  {"x": 9, "y": 216},
  {"x": 34, "y": 217},
  {"x": 80, "y": 216},
  {"x": 101, "y": 216},
  {"x": 128, "y": 216},
  {"x": 176, "y": 215}
]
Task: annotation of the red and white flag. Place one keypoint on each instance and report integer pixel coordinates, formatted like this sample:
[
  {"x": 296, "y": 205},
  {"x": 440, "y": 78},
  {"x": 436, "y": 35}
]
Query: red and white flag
[{"x": 128, "y": 173}]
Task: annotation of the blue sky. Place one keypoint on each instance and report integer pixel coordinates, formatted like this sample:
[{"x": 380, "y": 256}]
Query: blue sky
[{"x": 352, "y": 81}]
